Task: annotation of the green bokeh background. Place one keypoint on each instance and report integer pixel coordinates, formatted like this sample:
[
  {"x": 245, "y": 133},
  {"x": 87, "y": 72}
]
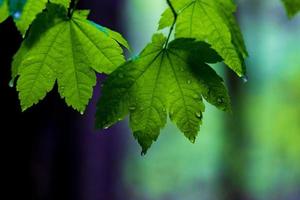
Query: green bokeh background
[{"x": 253, "y": 153}]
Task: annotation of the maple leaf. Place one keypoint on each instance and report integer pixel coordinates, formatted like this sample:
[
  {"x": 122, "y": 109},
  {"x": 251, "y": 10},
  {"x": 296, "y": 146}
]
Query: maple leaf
[
  {"x": 163, "y": 80},
  {"x": 211, "y": 21},
  {"x": 66, "y": 50}
]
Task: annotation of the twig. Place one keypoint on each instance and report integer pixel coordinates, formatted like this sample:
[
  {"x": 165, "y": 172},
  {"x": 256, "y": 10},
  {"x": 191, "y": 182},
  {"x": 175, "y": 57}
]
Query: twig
[{"x": 173, "y": 24}]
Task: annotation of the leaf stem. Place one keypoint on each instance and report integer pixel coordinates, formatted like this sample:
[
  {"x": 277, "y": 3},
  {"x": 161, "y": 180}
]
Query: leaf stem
[
  {"x": 72, "y": 8},
  {"x": 173, "y": 24}
]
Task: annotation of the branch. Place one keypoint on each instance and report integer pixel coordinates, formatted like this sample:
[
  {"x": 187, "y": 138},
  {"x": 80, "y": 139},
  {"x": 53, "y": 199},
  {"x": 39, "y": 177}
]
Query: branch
[{"x": 174, "y": 22}]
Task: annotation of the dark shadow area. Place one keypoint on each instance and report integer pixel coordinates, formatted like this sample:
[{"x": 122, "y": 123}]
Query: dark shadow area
[{"x": 43, "y": 148}]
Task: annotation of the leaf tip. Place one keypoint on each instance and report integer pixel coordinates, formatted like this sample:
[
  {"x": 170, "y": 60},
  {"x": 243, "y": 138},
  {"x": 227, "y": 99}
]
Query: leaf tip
[
  {"x": 245, "y": 78},
  {"x": 24, "y": 108},
  {"x": 192, "y": 139}
]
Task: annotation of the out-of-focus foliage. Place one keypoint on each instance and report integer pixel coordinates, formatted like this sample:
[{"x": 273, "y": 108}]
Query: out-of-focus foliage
[
  {"x": 269, "y": 112},
  {"x": 292, "y": 7},
  {"x": 4, "y": 12}
]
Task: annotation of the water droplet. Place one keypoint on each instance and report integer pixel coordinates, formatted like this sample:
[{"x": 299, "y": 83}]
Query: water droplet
[
  {"x": 245, "y": 78},
  {"x": 82, "y": 113},
  {"x": 199, "y": 115},
  {"x": 220, "y": 100},
  {"x": 192, "y": 139},
  {"x": 11, "y": 83},
  {"x": 106, "y": 127},
  {"x": 189, "y": 82},
  {"x": 119, "y": 119},
  {"x": 17, "y": 15}
]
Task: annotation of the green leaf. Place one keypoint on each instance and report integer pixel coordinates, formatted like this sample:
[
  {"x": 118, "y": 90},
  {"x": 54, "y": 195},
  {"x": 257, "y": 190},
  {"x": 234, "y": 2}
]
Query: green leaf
[
  {"x": 163, "y": 81},
  {"x": 115, "y": 35},
  {"x": 292, "y": 7},
  {"x": 25, "y": 11},
  {"x": 65, "y": 3},
  {"x": 17, "y": 61},
  {"x": 103, "y": 51},
  {"x": 211, "y": 21},
  {"x": 4, "y": 12},
  {"x": 227, "y": 9},
  {"x": 76, "y": 78},
  {"x": 40, "y": 25},
  {"x": 68, "y": 51}
]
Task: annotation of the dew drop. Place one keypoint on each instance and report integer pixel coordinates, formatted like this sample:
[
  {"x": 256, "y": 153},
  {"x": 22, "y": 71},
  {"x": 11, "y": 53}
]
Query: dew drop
[
  {"x": 192, "y": 139},
  {"x": 17, "y": 15},
  {"x": 82, "y": 113},
  {"x": 199, "y": 115},
  {"x": 189, "y": 82},
  {"x": 245, "y": 78},
  {"x": 11, "y": 83},
  {"x": 220, "y": 100},
  {"x": 106, "y": 127}
]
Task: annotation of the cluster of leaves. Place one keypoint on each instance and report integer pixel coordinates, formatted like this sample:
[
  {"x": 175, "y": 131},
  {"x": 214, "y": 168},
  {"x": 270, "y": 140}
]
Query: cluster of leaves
[
  {"x": 169, "y": 77},
  {"x": 172, "y": 78},
  {"x": 292, "y": 7}
]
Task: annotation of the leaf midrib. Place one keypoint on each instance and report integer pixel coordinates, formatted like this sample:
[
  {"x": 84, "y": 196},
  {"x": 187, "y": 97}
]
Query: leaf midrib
[
  {"x": 178, "y": 84},
  {"x": 85, "y": 34},
  {"x": 44, "y": 59}
]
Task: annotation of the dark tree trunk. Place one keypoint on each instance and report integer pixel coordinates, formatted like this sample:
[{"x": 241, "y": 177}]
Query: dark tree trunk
[
  {"x": 52, "y": 152},
  {"x": 237, "y": 136}
]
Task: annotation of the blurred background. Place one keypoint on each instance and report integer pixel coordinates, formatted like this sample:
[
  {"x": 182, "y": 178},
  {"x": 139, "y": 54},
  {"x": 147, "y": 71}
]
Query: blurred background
[{"x": 53, "y": 153}]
